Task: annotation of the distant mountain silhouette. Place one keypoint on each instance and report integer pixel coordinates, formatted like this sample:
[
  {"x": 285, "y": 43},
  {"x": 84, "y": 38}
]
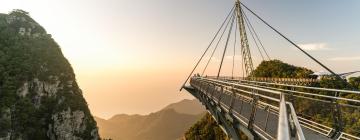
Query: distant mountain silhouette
[
  {"x": 169, "y": 123},
  {"x": 192, "y": 107}
]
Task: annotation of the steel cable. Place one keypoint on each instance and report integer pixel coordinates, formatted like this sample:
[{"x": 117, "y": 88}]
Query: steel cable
[{"x": 231, "y": 11}]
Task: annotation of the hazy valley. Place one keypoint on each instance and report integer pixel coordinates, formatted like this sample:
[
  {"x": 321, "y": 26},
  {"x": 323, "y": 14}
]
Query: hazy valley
[{"x": 167, "y": 124}]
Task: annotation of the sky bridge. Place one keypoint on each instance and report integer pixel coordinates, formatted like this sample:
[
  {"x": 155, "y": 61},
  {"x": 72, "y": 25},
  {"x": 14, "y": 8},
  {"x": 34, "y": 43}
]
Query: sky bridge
[{"x": 269, "y": 107}]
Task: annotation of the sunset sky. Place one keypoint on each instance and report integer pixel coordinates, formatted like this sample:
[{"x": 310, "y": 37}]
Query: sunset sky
[{"x": 131, "y": 56}]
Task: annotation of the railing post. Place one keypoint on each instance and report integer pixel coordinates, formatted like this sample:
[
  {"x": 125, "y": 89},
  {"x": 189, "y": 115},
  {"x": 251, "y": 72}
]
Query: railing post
[
  {"x": 199, "y": 91},
  {"x": 221, "y": 93},
  {"x": 207, "y": 89},
  {"x": 253, "y": 110},
  {"x": 255, "y": 98},
  {"x": 213, "y": 90},
  {"x": 267, "y": 117},
  {"x": 232, "y": 99},
  {"x": 292, "y": 99},
  {"x": 338, "y": 123}
]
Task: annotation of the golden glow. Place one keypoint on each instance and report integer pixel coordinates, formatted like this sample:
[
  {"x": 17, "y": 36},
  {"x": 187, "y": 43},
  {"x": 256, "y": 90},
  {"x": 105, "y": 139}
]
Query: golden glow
[
  {"x": 131, "y": 56},
  {"x": 120, "y": 64}
]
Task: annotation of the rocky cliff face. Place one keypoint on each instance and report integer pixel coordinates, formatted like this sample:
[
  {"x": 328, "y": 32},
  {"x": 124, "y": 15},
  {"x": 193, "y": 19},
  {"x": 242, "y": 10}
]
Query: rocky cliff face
[{"x": 39, "y": 96}]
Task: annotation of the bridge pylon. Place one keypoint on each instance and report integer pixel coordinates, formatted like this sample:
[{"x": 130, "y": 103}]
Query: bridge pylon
[{"x": 245, "y": 49}]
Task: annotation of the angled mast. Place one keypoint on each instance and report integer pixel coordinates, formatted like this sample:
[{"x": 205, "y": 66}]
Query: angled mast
[{"x": 245, "y": 49}]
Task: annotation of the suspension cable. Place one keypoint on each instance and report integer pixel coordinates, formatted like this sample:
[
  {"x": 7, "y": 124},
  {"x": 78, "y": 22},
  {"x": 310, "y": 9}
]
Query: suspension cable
[
  {"x": 252, "y": 35},
  {"x": 217, "y": 44},
  {"x": 231, "y": 11},
  {"x": 256, "y": 35},
  {"x": 226, "y": 45},
  {"x": 291, "y": 42}
]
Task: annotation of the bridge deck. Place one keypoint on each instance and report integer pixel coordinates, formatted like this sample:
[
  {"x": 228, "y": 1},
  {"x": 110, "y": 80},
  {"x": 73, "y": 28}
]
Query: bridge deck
[
  {"x": 242, "y": 109},
  {"x": 239, "y": 102}
]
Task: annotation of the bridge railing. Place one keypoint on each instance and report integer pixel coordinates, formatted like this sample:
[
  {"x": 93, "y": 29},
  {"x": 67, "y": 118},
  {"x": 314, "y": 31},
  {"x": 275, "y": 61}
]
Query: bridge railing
[
  {"x": 258, "y": 81},
  {"x": 276, "y": 106},
  {"x": 325, "y": 103},
  {"x": 292, "y": 81},
  {"x": 298, "y": 96}
]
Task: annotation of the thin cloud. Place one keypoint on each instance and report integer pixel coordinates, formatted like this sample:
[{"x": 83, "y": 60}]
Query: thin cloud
[
  {"x": 351, "y": 58},
  {"x": 314, "y": 46}
]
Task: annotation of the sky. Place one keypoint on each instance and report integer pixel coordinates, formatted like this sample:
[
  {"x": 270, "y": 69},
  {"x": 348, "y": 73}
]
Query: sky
[{"x": 132, "y": 56}]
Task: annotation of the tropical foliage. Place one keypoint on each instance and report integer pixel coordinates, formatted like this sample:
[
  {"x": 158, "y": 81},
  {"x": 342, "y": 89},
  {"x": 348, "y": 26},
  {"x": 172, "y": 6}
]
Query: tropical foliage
[
  {"x": 278, "y": 69},
  {"x": 205, "y": 129},
  {"x": 317, "y": 111}
]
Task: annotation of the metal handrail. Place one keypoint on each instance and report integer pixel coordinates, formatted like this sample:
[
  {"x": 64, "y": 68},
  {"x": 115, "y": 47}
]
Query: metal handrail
[
  {"x": 297, "y": 86},
  {"x": 283, "y": 124},
  {"x": 304, "y": 94},
  {"x": 296, "y": 122},
  {"x": 283, "y": 129},
  {"x": 303, "y": 80},
  {"x": 304, "y": 87},
  {"x": 244, "y": 87},
  {"x": 307, "y": 93}
]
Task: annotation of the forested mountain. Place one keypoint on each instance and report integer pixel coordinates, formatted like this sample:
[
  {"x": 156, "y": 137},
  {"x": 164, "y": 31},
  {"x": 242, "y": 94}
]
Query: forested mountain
[{"x": 39, "y": 96}]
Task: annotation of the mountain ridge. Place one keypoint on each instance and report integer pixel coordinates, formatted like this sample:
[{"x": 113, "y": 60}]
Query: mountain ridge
[
  {"x": 154, "y": 126},
  {"x": 186, "y": 106}
]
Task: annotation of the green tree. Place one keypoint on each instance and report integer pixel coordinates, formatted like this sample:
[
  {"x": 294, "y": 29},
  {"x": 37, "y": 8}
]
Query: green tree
[
  {"x": 279, "y": 69},
  {"x": 205, "y": 129},
  {"x": 355, "y": 82}
]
